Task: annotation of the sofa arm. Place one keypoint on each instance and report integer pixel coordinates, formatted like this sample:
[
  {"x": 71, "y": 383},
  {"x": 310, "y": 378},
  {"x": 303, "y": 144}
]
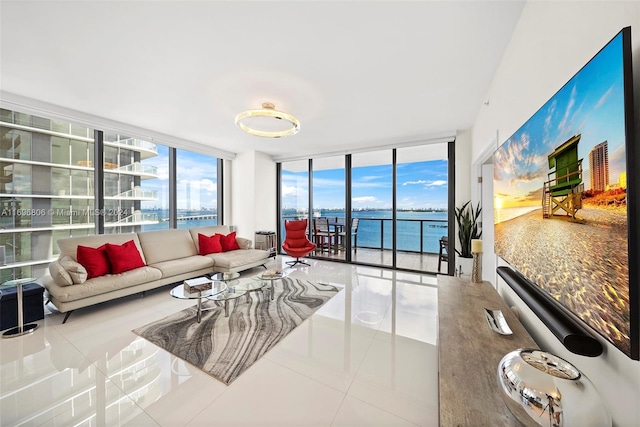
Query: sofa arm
[{"x": 244, "y": 243}]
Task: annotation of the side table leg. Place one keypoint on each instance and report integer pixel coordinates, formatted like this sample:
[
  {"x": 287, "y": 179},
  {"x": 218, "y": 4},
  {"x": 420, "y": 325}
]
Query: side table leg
[
  {"x": 199, "y": 310},
  {"x": 22, "y": 329},
  {"x": 226, "y": 308}
]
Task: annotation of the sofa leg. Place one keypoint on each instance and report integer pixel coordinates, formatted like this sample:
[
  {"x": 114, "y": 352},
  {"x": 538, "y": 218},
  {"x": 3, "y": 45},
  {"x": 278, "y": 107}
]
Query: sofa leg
[
  {"x": 142, "y": 294},
  {"x": 48, "y": 301},
  {"x": 66, "y": 316},
  {"x": 265, "y": 266}
]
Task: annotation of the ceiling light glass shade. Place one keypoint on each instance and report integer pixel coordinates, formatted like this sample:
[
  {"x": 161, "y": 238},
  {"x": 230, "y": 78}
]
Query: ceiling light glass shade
[{"x": 267, "y": 122}]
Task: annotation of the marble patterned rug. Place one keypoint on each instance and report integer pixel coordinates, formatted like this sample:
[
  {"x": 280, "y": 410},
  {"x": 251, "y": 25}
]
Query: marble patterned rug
[{"x": 225, "y": 347}]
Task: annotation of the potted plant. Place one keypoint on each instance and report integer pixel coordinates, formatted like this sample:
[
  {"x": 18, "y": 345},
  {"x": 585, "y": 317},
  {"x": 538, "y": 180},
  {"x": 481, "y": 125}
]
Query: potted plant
[{"x": 468, "y": 229}]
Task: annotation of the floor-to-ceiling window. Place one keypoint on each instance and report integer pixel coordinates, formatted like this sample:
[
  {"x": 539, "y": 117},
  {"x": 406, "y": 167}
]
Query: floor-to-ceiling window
[
  {"x": 397, "y": 201},
  {"x": 294, "y": 190},
  {"x": 155, "y": 192},
  {"x": 372, "y": 207},
  {"x": 47, "y": 186},
  {"x": 46, "y": 191},
  {"x": 421, "y": 205},
  {"x": 196, "y": 189},
  {"x": 328, "y": 219},
  {"x": 128, "y": 165}
]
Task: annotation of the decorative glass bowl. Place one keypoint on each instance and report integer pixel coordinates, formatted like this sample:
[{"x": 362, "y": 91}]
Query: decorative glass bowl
[{"x": 546, "y": 389}]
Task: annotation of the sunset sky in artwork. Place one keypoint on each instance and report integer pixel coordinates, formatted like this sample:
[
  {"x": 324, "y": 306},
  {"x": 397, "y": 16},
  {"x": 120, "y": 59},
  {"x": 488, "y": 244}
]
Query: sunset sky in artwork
[{"x": 590, "y": 104}]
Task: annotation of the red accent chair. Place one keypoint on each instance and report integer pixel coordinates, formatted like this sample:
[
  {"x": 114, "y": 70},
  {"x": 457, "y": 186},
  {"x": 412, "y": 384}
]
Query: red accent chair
[{"x": 296, "y": 243}]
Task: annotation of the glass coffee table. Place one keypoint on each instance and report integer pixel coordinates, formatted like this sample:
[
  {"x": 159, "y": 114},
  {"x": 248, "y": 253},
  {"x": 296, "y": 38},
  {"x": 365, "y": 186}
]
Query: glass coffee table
[
  {"x": 216, "y": 288},
  {"x": 235, "y": 288}
]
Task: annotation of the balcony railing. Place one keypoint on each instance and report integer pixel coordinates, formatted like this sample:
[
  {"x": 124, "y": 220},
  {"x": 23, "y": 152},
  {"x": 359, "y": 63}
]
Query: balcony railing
[
  {"x": 137, "y": 167},
  {"x": 137, "y": 217},
  {"x": 412, "y": 235},
  {"x": 137, "y": 143},
  {"x": 137, "y": 193}
]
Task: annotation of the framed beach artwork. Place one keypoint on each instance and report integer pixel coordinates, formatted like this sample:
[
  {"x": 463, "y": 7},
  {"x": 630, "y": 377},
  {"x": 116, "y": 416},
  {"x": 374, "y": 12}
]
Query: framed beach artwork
[{"x": 562, "y": 209}]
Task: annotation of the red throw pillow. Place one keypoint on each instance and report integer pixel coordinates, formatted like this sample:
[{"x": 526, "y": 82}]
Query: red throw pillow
[
  {"x": 94, "y": 260},
  {"x": 228, "y": 242},
  {"x": 124, "y": 257},
  {"x": 209, "y": 244}
]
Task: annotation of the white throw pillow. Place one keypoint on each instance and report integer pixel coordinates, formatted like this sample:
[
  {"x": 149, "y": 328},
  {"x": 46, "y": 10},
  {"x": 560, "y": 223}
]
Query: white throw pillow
[
  {"x": 59, "y": 274},
  {"x": 74, "y": 269}
]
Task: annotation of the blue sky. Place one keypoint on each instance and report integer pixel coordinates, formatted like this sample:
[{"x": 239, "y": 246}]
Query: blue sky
[
  {"x": 197, "y": 177},
  {"x": 420, "y": 185},
  {"x": 590, "y": 104}
]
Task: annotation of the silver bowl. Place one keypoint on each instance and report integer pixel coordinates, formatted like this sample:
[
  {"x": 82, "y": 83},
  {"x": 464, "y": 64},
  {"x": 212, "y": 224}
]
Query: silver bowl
[{"x": 546, "y": 389}]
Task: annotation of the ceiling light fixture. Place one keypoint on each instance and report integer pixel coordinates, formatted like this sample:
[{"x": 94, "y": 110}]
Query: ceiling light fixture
[{"x": 261, "y": 122}]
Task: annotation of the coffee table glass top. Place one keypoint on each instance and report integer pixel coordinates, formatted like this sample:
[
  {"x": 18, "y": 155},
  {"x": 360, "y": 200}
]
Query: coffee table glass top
[
  {"x": 240, "y": 287},
  {"x": 273, "y": 274},
  {"x": 228, "y": 294},
  {"x": 216, "y": 288},
  {"x": 224, "y": 277}
]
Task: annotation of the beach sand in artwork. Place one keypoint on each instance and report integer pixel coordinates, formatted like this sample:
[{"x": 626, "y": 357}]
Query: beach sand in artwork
[{"x": 584, "y": 266}]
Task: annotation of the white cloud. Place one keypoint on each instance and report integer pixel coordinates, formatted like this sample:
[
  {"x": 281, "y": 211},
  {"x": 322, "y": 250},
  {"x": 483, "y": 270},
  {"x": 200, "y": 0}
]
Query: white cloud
[
  {"x": 293, "y": 191},
  {"x": 414, "y": 182},
  {"x": 364, "y": 199},
  {"x": 603, "y": 98}
]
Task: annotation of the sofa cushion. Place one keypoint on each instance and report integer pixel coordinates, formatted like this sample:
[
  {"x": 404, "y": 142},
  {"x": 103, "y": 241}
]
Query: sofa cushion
[
  {"x": 69, "y": 246},
  {"x": 166, "y": 245},
  {"x": 124, "y": 257},
  {"x": 229, "y": 242},
  {"x": 75, "y": 270},
  {"x": 183, "y": 265},
  {"x": 59, "y": 274},
  {"x": 240, "y": 257},
  {"x": 95, "y": 260},
  {"x": 105, "y": 284},
  {"x": 209, "y": 244},
  {"x": 209, "y": 230}
]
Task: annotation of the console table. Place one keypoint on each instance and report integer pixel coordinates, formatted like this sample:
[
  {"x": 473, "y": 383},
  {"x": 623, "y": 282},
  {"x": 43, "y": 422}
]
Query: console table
[{"x": 469, "y": 353}]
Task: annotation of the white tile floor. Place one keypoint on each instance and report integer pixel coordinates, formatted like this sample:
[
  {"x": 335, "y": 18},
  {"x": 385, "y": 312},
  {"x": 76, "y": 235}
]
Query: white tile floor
[{"x": 366, "y": 358}]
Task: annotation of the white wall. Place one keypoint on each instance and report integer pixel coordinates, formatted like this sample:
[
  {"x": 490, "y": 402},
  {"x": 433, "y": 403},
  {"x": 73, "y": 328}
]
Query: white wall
[
  {"x": 551, "y": 42},
  {"x": 252, "y": 182}
]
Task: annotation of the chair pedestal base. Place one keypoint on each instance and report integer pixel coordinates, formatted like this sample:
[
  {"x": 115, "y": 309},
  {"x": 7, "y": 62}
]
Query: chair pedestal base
[{"x": 297, "y": 261}]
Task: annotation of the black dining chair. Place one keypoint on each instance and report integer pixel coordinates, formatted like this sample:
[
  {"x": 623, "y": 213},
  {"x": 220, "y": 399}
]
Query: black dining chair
[
  {"x": 444, "y": 252},
  {"x": 354, "y": 234},
  {"x": 323, "y": 236}
]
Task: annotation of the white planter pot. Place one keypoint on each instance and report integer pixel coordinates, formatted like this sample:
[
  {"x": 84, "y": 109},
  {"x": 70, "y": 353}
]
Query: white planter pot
[{"x": 466, "y": 264}]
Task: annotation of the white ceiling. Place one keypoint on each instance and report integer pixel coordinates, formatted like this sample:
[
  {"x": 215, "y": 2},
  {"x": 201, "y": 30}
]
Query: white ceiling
[{"x": 356, "y": 74}]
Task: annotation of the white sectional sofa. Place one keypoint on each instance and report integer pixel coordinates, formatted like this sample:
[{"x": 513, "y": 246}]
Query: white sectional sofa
[{"x": 170, "y": 257}]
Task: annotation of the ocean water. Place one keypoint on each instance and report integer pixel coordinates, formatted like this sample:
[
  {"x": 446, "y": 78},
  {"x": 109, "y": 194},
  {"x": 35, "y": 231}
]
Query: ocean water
[
  {"x": 374, "y": 228},
  {"x": 163, "y": 217}
]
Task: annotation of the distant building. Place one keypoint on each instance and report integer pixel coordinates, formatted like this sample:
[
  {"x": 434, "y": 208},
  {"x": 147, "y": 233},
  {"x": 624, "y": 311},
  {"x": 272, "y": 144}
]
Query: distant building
[
  {"x": 599, "y": 166},
  {"x": 623, "y": 180}
]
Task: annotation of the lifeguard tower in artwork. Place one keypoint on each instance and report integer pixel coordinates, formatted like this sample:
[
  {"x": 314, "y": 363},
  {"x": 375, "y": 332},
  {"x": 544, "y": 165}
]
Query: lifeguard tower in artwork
[{"x": 564, "y": 188}]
